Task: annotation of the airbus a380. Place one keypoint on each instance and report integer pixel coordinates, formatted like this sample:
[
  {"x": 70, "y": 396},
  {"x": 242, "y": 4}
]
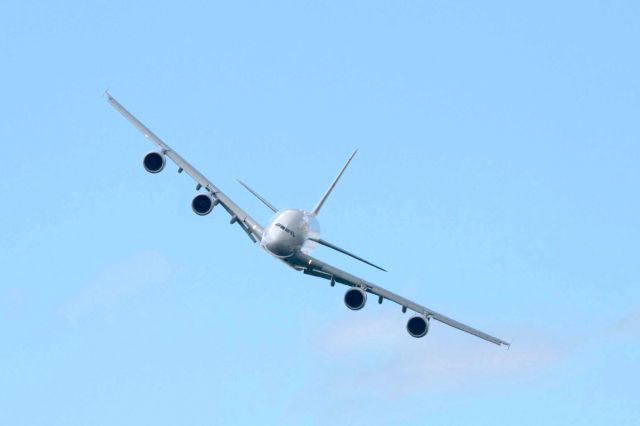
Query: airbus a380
[{"x": 291, "y": 235}]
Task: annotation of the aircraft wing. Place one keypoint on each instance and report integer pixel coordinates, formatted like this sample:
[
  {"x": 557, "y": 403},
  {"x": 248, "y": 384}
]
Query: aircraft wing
[
  {"x": 312, "y": 266},
  {"x": 246, "y": 222}
]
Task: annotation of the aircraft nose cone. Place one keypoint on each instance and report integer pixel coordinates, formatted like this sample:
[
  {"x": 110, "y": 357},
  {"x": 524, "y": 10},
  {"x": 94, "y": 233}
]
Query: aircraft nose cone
[{"x": 279, "y": 248}]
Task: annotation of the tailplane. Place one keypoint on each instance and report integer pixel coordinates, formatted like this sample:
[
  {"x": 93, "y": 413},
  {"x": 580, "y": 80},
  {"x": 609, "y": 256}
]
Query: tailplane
[
  {"x": 328, "y": 244},
  {"x": 258, "y": 196}
]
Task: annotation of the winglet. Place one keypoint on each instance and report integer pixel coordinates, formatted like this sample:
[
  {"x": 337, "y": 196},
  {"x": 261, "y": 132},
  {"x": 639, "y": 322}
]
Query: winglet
[{"x": 318, "y": 206}]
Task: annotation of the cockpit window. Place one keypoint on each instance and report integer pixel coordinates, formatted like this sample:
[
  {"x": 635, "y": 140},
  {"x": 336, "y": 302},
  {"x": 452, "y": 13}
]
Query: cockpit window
[{"x": 285, "y": 229}]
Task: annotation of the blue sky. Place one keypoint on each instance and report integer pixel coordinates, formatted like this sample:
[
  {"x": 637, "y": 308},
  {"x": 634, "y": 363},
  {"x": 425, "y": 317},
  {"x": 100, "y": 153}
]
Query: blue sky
[{"x": 497, "y": 181}]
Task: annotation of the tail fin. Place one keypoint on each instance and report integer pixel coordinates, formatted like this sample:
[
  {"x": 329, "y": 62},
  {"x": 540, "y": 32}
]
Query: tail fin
[{"x": 318, "y": 206}]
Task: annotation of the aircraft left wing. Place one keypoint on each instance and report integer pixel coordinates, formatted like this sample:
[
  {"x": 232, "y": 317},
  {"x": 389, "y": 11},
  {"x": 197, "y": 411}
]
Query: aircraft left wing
[
  {"x": 312, "y": 266},
  {"x": 246, "y": 222}
]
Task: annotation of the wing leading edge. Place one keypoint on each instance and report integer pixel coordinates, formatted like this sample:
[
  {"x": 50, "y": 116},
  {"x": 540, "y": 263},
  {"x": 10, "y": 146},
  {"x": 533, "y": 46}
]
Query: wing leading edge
[
  {"x": 312, "y": 266},
  {"x": 246, "y": 222}
]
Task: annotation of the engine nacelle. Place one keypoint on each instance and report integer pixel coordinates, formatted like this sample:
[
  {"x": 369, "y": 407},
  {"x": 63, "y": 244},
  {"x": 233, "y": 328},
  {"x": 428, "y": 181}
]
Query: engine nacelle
[
  {"x": 355, "y": 298},
  {"x": 153, "y": 162},
  {"x": 418, "y": 326},
  {"x": 202, "y": 204}
]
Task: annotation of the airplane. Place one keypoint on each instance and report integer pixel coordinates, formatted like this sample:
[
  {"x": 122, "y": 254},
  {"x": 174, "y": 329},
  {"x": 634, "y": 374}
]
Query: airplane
[{"x": 291, "y": 235}]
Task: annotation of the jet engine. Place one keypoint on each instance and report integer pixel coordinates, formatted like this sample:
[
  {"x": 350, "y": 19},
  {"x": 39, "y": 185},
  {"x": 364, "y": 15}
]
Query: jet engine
[
  {"x": 202, "y": 204},
  {"x": 418, "y": 326},
  {"x": 153, "y": 162},
  {"x": 355, "y": 298}
]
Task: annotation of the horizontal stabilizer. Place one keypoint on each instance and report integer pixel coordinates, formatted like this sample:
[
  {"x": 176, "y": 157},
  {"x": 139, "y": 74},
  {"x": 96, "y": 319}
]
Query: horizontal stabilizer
[
  {"x": 328, "y": 244},
  {"x": 265, "y": 202}
]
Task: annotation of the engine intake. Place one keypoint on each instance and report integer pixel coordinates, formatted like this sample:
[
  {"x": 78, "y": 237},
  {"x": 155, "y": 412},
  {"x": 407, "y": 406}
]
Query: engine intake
[
  {"x": 202, "y": 204},
  {"x": 418, "y": 326},
  {"x": 153, "y": 162},
  {"x": 355, "y": 298}
]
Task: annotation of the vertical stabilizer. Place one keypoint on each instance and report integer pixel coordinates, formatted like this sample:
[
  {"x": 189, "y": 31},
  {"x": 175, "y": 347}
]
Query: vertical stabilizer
[{"x": 318, "y": 206}]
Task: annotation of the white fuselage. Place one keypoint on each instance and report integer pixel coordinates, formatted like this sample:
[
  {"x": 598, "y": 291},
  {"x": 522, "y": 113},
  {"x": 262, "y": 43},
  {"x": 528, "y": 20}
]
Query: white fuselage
[{"x": 288, "y": 232}]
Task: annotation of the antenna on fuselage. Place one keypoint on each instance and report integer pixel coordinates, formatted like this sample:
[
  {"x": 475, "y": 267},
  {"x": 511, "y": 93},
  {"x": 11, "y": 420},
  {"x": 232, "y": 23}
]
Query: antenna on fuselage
[{"x": 318, "y": 206}]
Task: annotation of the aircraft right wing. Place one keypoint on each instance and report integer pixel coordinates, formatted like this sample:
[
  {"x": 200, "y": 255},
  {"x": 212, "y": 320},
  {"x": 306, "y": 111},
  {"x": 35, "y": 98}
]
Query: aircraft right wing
[
  {"x": 312, "y": 266},
  {"x": 246, "y": 222}
]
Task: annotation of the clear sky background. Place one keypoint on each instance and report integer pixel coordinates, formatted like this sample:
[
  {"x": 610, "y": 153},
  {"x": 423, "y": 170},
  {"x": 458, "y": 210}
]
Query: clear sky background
[{"x": 497, "y": 181}]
